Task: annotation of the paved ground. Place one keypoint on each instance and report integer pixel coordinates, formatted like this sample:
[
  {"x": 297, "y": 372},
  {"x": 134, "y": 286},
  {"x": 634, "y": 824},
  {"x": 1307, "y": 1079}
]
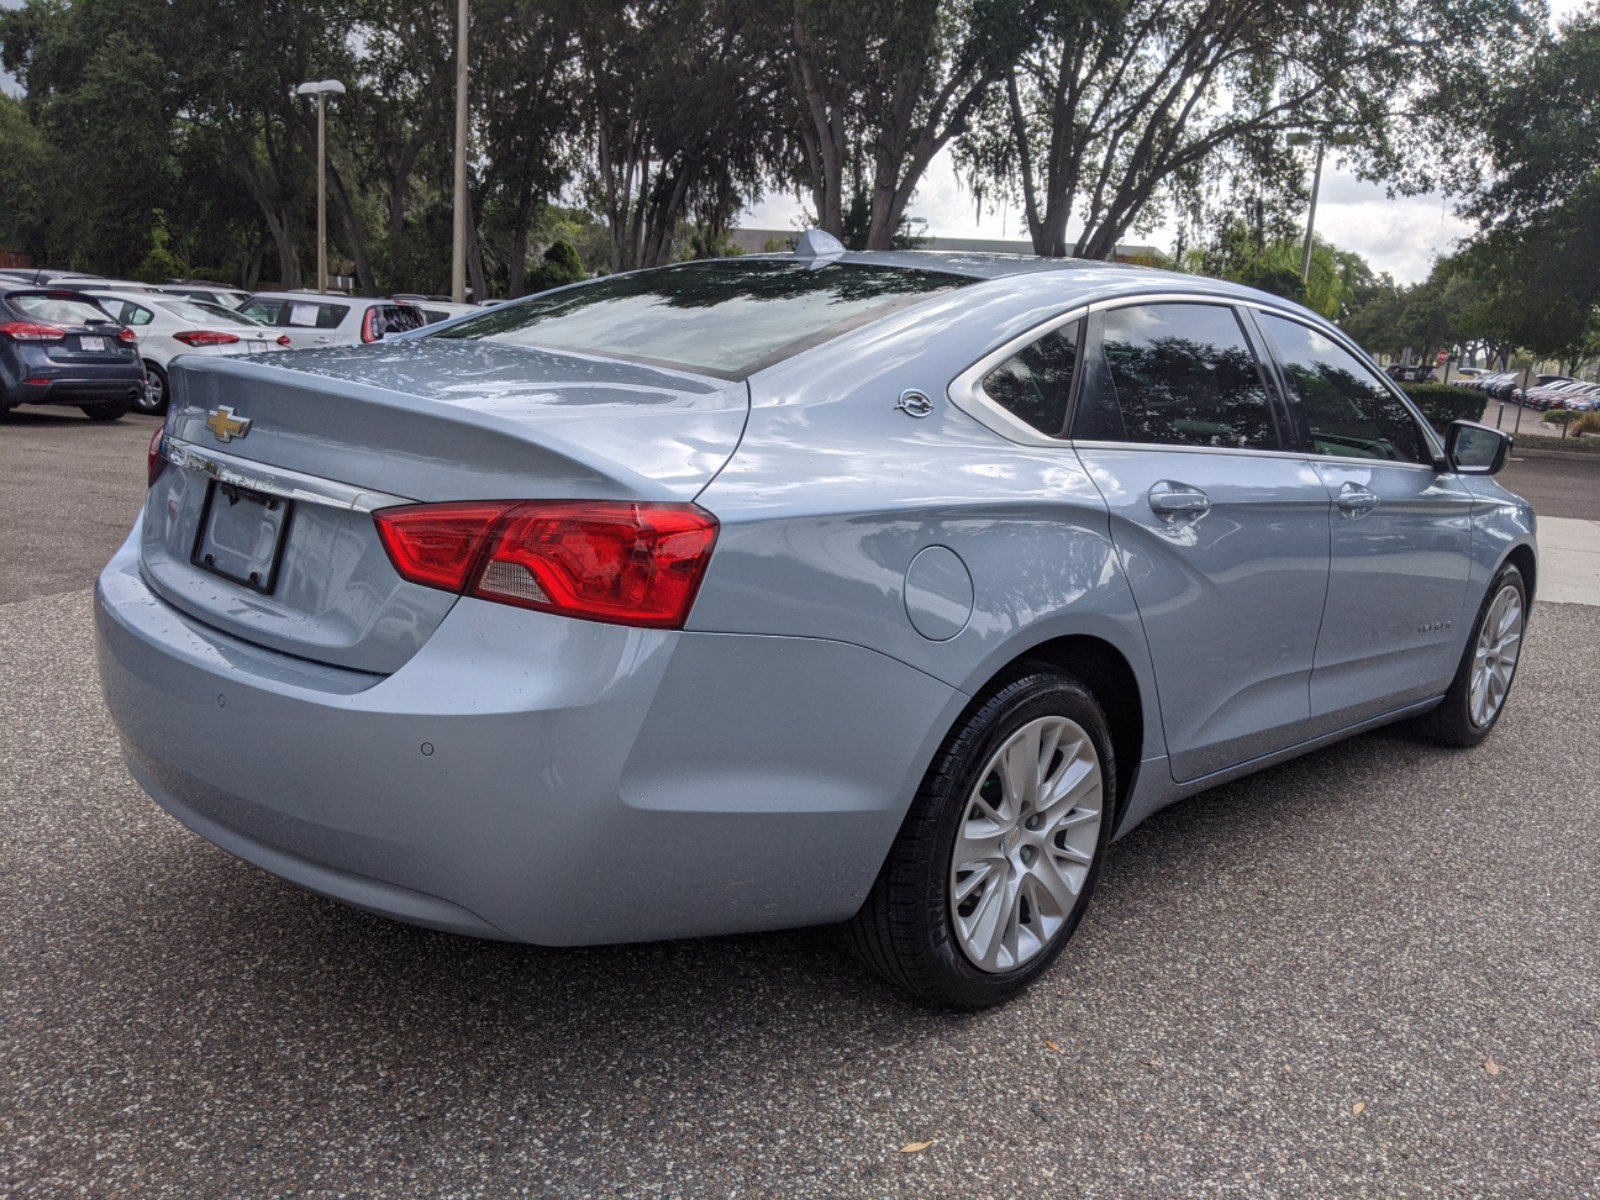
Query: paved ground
[{"x": 1371, "y": 972}]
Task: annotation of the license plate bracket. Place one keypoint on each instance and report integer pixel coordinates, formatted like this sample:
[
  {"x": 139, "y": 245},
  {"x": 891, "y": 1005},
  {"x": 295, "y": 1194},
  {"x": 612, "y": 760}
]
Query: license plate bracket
[{"x": 241, "y": 535}]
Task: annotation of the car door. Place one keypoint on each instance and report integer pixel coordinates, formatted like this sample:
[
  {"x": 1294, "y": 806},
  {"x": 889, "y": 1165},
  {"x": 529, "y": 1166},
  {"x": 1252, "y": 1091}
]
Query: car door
[
  {"x": 1223, "y": 535},
  {"x": 1400, "y": 528}
]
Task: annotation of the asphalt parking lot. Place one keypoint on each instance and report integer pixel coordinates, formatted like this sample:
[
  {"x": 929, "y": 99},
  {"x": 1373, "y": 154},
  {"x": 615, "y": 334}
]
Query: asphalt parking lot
[{"x": 1369, "y": 972}]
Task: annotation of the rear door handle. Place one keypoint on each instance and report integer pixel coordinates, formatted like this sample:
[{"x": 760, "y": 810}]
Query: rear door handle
[
  {"x": 1171, "y": 499},
  {"x": 1357, "y": 500}
]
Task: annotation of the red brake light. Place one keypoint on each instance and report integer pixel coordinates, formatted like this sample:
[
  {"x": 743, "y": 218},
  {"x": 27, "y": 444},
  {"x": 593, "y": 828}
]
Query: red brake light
[
  {"x": 206, "y": 337},
  {"x": 32, "y": 331},
  {"x": 437, "y": 545},
  {"x": 155, "y": 460},
  {"x": 283, "y": 339},
  {"x": 127, "y": 335},
  {"x": 369, "y": 326},
  {"x": 617, "y": 561}
]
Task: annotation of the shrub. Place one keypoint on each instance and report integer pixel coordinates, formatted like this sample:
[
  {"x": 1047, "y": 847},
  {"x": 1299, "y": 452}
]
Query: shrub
[
  {"x": 560, "y": 265},
  {"x": 1588, "y": 422},
  {"x": 1560, "y": 416},
  {"x": 1442, "y": 403}
]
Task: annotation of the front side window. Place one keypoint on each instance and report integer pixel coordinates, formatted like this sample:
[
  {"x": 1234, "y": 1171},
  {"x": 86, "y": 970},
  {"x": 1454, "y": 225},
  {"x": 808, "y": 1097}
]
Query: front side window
[
  {"x": 725, "y": 317},
  {"x": 1177, "y": 375},
  {"x": 1034, "y": 383},
  {"x": 1348, "y": 411}
]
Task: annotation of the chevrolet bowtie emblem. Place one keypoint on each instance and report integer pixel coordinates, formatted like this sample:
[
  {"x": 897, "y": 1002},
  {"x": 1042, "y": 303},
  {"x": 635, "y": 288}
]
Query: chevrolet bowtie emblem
[{"x": 225, "y": 425}]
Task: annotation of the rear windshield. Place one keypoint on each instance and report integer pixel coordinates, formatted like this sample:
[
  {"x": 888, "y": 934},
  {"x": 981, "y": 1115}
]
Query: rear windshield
[
  {"x": 58, "y": 309},
  {"x": 723, "y": 317},
  {"x": 199, "y": 311}
]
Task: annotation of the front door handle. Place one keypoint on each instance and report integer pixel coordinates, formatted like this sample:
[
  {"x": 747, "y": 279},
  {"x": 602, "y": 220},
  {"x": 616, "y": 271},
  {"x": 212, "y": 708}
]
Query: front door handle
[
  {"x": 1357, "y": 500},
  {"x": 1170, "y": 499}
]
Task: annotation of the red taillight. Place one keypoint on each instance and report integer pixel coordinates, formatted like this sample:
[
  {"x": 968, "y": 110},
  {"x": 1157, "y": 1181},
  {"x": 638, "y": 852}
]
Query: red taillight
[
  {"x": 206, "y": 337},
  {"x": 30, "y": 331},
  {"x": 615, "y": 561},
  {"x": 155, "y": 460},
  {"x": 369, "y": 326},
  {"x": 127, "y": 335},
  {"x": 283, "y": 339}
]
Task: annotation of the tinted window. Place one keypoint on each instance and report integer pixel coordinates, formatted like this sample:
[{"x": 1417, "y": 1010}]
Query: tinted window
[
  {"x": 726, "y": 317},
  {"x": 1179, "y": 375},
  {"x": 1034, "y": 383},
  {"x": 1346, "y": 407},
  {"x": 397, "y": 318},
  {"x": 59, "y": 309},
  {"x": 265, "y": 311}
]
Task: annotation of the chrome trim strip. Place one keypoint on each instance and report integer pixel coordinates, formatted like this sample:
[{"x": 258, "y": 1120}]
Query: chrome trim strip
[
  {"x": 966, "y": 393},
  {"x": 277, "y": 481}
]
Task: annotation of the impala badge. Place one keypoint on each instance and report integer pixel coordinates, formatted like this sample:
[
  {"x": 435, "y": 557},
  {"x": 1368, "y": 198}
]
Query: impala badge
[{"x": 225, "y": 425}]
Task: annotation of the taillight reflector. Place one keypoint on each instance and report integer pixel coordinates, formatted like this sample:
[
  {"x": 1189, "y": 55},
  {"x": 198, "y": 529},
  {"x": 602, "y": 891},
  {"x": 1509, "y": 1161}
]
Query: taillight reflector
[
  {"x": 616, "y": 561},
  {"x": 283, "y": 339},
  {"x": 155, "y": 459},
  {"x": 206, "y": 337},
  {"x": 32, "y": 331}
]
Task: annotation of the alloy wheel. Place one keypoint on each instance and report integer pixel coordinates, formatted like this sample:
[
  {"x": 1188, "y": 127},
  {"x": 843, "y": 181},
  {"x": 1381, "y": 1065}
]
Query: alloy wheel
[
  {"x": 1494, "y": 659},
  {"x": 1026, "y": 843}
]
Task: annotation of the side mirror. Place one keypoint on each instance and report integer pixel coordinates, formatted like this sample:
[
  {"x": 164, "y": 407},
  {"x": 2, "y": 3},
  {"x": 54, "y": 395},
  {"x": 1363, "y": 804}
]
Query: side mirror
[{"x": 1474, "y": 449}]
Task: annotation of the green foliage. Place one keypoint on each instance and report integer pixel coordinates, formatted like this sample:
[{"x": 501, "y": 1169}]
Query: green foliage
[
  {"x": 160, "y": 263},
  {"x": 1336, "y": 278},
  {"x": 559, "y": 266},
  {"x": 1443, "y": 403}
]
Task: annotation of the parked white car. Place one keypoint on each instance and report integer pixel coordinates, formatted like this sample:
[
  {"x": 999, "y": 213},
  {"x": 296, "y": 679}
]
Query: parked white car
[
  {"x": 315, "y": 319},
  {"x": 167, "y": 326},
  {"x": 441, "y": 310}
]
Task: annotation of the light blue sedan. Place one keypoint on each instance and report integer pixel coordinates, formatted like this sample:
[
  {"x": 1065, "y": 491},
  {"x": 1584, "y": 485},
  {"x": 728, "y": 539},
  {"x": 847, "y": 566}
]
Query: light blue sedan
[{"x": 783, "y": 590}]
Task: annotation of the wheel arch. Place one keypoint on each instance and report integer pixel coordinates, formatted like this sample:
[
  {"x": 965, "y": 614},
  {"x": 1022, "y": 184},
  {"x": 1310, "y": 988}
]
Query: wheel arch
[
  {"x": 1108, "y": 674},
  {"x": 1525, "y": 561}
]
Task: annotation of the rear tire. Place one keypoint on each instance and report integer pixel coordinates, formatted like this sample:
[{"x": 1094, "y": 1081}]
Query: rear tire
[
  {"x": 153, "y": 396},
  {"x": 974, "y": 845},
  {"x": 111, "y": 410},
  {"x": 1459, "y": 720}
]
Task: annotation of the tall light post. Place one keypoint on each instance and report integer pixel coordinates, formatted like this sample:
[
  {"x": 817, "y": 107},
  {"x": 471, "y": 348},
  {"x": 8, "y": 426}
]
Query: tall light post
[
  {"x": 1321, "y": 142},
  {"x": 322, "y": 90},
  {"x": 458, "y": 232}
]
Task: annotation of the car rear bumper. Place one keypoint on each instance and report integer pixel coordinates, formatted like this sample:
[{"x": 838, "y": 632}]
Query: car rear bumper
[
  {"x": 528, "y": 776},
  {"x": 72, "y": 385}
]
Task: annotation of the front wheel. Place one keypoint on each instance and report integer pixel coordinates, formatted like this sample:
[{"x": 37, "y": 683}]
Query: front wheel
[
  {"x": 1000, "y": 850},
  {"x": 1477, "y": 694}
]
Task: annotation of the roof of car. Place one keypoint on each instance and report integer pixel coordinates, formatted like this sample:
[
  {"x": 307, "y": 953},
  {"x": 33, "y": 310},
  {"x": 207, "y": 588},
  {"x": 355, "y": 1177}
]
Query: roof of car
[{"x": 1076, "y": 275}]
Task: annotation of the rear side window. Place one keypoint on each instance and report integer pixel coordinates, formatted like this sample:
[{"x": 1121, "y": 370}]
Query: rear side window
[
  {"x": 724, "y": 317},
  {"x": 398, "y": 318},
  {"x": 135, "y": 314},
  {"x": 1347, "y": 409},
  {"x": 1176, "y": 375},
  {"x": 1033, "y": 384}
]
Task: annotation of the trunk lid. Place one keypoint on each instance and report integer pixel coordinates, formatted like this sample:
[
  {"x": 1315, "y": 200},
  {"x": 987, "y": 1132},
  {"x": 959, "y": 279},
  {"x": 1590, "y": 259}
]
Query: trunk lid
[{"x": 344, "y": 430}]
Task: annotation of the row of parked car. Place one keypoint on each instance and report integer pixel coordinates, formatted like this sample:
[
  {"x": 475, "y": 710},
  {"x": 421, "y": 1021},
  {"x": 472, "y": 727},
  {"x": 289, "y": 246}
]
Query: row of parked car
[
  {"x": 104, "y": 345},
  {"x": 1543, "y": 392}
]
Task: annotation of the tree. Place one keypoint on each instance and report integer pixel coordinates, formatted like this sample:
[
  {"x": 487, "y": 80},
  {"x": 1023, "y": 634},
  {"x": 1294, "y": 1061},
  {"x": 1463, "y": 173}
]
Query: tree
[
  {"x": 1538, "y": 206},
  {"x": 881, "y": 86},
  {"x": 1122, "y": 107},
  {"x": 682, "y": 112}
]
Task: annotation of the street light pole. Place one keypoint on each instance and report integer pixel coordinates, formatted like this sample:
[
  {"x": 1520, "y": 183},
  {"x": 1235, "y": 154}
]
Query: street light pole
[
  {"x": 458, "y": 238},
  {"x": 328, "y": 87},
  {"x": 322, "y": 192},
  {"x": 1311, "y": 216}
]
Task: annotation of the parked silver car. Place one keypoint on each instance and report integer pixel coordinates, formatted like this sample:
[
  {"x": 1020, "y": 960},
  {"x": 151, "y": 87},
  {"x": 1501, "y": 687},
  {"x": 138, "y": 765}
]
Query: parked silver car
[{"x": 872, "y": 588}]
